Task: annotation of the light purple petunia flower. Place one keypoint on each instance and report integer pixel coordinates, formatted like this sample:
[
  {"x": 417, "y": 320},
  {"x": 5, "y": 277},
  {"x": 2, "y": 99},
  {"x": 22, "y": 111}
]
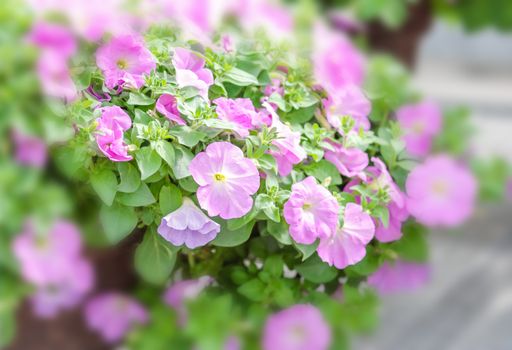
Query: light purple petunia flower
[
  {"x": 54, "y": 76},
  {"x": 168, "y": 106},
  {"x": 125, "y": 61},
  {"x": 188, "y": 225},
  {"x": 300, "y": 327},
  {"x": 311, "y": 211},
  {"x": 393, "y": 231},
  {"x": 351, "y": 101},
  {"x": 54, "y": 37},
  {"x": 111, "y": 127},
  {"x": 400, "y": 276},
  {"x": 441, "y": 192},
  {"x": 349, "y": 161},
  {"x": 29, "y": 150},
  {"x": 226, "y": 180},
  {"x": 113, "y": 315},
  {"x": 190, "y": 71},
  {"x": 239, "y": 111},
  {"x": 347, "y": 246},
  {"x": 420, "y": 123}
]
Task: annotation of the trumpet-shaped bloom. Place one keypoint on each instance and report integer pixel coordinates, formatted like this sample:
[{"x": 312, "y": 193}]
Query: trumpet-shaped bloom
[
  {"x": 441, "y": 192},
  {"x": 190, "y": 71},
  {"x": 168, "y": 106},
  {"x": 347, "y": 246},
  {"x": 125, "y": 61},
  {"x": 348, "y": 101},
  {"x": 239, "y": 111},
  {"x": 29, "y": 150},
  {"x": 113, "y": 315},
  {"x": 300, "y": 327},
  {"x": 420, "y": 123},
  {"x": 226, "y": 180},
  {"x": 111, "y": 127},
  {"x": 348, "y": 161},
  {"x": 311, "y": 211},
  {"x": 400, "y": 276},
  {"x": 188, "y": 225}
]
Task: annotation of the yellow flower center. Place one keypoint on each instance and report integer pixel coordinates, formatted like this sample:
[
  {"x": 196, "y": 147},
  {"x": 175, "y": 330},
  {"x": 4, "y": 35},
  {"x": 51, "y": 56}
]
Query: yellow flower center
[
  {"x": 122, "y": 64},
  {"x": 219, "y": 177},
  {"x": 418, "y": 127},
  {"x": 307, "y": 206},
  {"x": 439, "y": 187}
]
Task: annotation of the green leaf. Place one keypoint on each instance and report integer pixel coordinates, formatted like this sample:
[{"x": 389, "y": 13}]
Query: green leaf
[
  {"x": 316, "y": 271},
  {"x": 232, "y": 238},
  {"x": 322, "y": 170},
  {"x": 183, "y": 158},
  {"x": 104, "y": 183},
  {"x": 166, "y": 151},
  {"x": 274, "y": 265},
  {"x": 170, "y": 199},
  {"x": 149, "y": 162},
  {"x": 239, "y": 77},
  {"x": 187, "y": 136},
  {"x": 279, "y": 231},
  {"x": 130, "y": 177},
  {"x": 306, "y": 249},
  {"x": 253, "y": 290},
  {"x": 140, "y": 198},
  {"x": 117, "y": 221},
  {"x": 188, "y": 184},
  {"x": 139, "y": 99},
  {"x": 155, "y": 258}
]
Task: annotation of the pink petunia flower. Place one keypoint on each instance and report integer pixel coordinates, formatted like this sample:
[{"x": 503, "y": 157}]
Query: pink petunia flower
[
  {"x": 125, "y": 61},
  {"x": 168, "y": 106},
  {"x": 420, "y": 123},
  {"x": 311, "y": 211},
  {"x": 188, "y": 225},
  {"x": 400, "y": 276},
  {"x": 239, "y": 111},
  {"x": 268, "y": 15},
  {"x": 226, "y": 180},
  {"x": 190, "y": 71},
  {"x": 347, "y": 246},
  {"x": 393, "y": 231},
  {"x": 54, "y": 76},
  {"x": 111, "y": 127},
  {"x": 348, "y": 101},
  {"x": 300, "y": 327},
  {"x": 441, "y": 192},
  {"x": 29, "y": 150},
  {"x": 113, "y": 315},
  {"x": 349, "y": 161},
  {"x": 53, "y": 37}
]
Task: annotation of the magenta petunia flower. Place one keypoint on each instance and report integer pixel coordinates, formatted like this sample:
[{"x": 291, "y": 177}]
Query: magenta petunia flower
[
  {"x": 190, "y": 71},
  {"x": 239, "y": 111},
  {"x": 392, "y": 232},
  {"x": 337, "y": 63},
  {"x": 347, "y": 246},
  {"x": 113, "y": 315},
  {"x": 311, "y": 211},
  {"x": 54, "y": 37},
  {"x": 125, "y": 61},
  {"x": 348, "y": 161},
  {"x": 289, "y": 151},
  {"x": 226, "y": 180},
  {"x": 188, "y": 225},
  {"x": 29, "y": 150},
  {"x": 54, "y": 76},
  {"x": 168, "y": 106},
  {"x": 300, "y": 327},
  {"x": 111, "y": 127},
  {"x": 400, "y": 276},
  {"x": 441, "y": 192},
  {"x": 348, "y": 101},
  {"x": 420, "y": 123}
]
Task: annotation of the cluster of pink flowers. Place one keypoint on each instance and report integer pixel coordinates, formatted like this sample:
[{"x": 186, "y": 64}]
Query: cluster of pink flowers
[
  {"x": 110, "y": 133},
  {"x": 54, "y": 264}
]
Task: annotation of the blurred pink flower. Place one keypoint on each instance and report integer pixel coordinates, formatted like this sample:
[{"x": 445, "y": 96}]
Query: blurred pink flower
[
  {"x": 29, "y": 150},
  {"x": 347, "y": 245},
  {"x": 54, "y": 76},
  {"x": 190, "y": 71},
  {"x": 188, "y": 225},
  {"x": 125, "y": 61},
  {"x": 239, "y": 111},
  {"x": 179, "y": 292},
  {"x": 226, "y": 180},
  {"x": 227, "y": 43},
  {"x": 275, "y": 87},
  {"x": 113, "y": 315},
  {"x": 111, "y": 127},
  {"x": 311, "y": 211},
  {"x": 264, "y": 14},
  {"x": 420, "y": 123},
  {"x": 349, "y": 161},
  {"x": 168, "y": 106},
  {"x": 441, "y": 192},
  {"x": 54, "y": 37},
  {"x": 400, "y": 276},
  {"x": 348, "y": 101},
  {"x": 300, "y": 327}
]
